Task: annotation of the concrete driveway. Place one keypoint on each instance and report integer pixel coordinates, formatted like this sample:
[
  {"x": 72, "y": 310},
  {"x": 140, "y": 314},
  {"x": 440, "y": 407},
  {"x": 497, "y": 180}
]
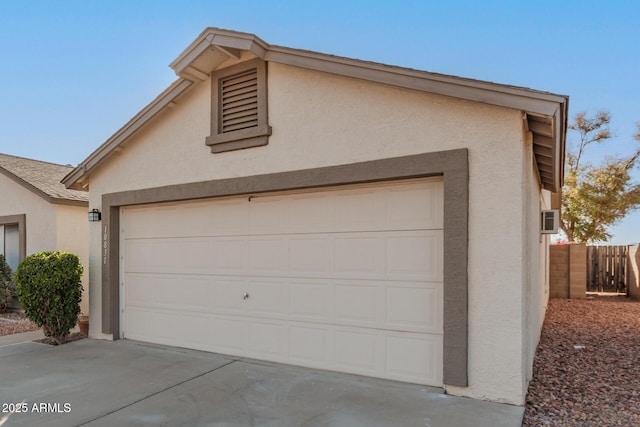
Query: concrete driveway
[{"x": 102, "y": 383}]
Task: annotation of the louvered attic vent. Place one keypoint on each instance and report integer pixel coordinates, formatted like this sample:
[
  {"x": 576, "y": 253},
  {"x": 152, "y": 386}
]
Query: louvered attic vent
[
  {"x": 239, "y": 101},
  {"x": 239, "y": 116}
]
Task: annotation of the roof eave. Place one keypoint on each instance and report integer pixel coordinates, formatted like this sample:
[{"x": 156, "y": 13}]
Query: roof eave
[
  {"x": 69, "y": 202},
  {"x": 35, "y": 190},
  {"x": 177, "y": 88},
  {"x": 549, "y": 133},
  {"x": 215, "y": 46},
  {"x": 458, "y": 87}
]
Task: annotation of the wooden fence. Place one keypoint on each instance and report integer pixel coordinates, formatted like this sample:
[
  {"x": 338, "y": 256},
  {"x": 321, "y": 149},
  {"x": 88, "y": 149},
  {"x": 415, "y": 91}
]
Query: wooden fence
[{"x": 607, "y": 269}]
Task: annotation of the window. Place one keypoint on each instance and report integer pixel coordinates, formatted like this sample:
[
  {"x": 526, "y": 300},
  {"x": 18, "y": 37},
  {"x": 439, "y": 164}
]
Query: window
[
  {"x": 10, "y": 244},
  {"x": 239, "y": 107},
  {"x": 13, "y": 239}
]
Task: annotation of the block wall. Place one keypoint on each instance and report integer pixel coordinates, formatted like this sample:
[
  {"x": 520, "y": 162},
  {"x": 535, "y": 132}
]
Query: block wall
[{"x": 568, "y": 271}]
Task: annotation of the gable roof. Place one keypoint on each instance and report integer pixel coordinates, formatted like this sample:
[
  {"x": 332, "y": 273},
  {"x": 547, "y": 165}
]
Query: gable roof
[
  {"x": 43, "y": 179},
  {"x": 545, "y": 113}
]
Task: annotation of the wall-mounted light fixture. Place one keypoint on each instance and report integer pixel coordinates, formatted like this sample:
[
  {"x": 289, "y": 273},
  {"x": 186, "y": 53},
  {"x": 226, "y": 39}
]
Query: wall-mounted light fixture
[{"x": 94, "y": 215}]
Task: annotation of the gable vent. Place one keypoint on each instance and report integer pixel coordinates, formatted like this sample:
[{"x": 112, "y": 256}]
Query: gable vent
[{"x": 239, "y": 101}]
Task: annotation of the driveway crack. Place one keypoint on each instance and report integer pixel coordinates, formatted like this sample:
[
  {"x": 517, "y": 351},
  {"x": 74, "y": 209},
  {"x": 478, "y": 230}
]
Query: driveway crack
[{"x": 156, "y": 393}]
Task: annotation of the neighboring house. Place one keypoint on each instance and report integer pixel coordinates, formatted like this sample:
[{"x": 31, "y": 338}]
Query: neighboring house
[
  {"x": 37, "y": 212},
  {"x": 321, "y": 211}
]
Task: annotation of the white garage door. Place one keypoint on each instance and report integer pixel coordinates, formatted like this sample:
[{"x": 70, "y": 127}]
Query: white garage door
[{"x": 347, "y": 279}]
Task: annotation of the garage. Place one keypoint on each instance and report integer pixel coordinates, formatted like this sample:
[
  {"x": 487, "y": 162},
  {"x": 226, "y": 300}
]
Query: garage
[{"x": 344, "y": 278}]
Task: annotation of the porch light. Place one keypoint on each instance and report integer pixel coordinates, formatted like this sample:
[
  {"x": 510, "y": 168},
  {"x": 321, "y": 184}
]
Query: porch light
[{"x": 94, "y": 215}]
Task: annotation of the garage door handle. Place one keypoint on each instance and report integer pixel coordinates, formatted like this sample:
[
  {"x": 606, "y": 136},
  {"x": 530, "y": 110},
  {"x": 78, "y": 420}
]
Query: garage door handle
[{"x": 245, "y": 296}]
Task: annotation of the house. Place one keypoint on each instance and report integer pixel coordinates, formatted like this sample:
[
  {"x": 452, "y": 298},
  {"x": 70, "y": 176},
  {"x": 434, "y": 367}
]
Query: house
[
  {"x": 37, "y": 212},
  {"x": 321, "y": 211}
]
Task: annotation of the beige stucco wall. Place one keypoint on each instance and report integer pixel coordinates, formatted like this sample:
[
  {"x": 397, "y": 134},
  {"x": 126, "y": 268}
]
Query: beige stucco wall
[
  {"x": 49, "y": 227},
  {"x": 535, "y": 257},
  {"x": 73, "y": 236},
  {"x": 40, "y": 214},
  {"x": 322, "y": 119}
]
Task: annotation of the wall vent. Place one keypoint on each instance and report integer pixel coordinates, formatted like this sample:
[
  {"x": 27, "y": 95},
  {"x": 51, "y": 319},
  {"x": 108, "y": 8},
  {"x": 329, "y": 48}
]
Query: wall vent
[
  {"x": 550, "y": 221},
  {"x": 239, "y": 101}
]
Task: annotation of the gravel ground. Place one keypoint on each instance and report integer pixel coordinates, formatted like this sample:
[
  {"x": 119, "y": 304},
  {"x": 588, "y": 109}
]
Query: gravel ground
[
  {"x": 587, "y": 366},
  {"x": 15, "y": 323}
]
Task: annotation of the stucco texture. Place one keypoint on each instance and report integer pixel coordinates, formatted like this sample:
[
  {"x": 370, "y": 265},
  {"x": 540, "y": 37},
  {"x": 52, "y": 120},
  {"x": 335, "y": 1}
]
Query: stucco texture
[
  {"x": 321, "y": 119},
  {"x": 49, "y": 227},
  {"x": 72, "y": 235},
  {"x": 41, "y": 215}
]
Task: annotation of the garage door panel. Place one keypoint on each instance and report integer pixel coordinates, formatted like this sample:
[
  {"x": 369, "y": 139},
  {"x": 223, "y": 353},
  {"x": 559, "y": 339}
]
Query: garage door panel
[
  {"x": 356, "y": 210},
  {"x": 415, "y": 308},
  {"x": 140, "y": 257},
  {"x": 148, "y": 222},
  {"x": 228, "y": 255},
  {"x": 310, "y": 301},
  {"x": 268, "y": 297},
  {"x": 411, "y": 356},
  {"x": 186, "y": 256},
  {"x": 168, "y": 327},
  {"x": 140, "y": 290},
  {"x": 199, "y": 221},
  {"x": 311, "y": 255},
  {"x": 356, "y": 302},
  {"x": 227, "y": 217},
  {"x": 267, "y": 215},
  {"x": 399, "y": 207},
  {"x": 380, "y": 305},
  {"x": 230, "y": 335},
  {"x": 268, "y": 255},
  {"x": 358, "y": 351},
  {"x": 413, "y": 207},
  {"x": 309, "y": 213},
  {"x": 348, "y": 279},
  {"x": 268, "y": 340},
  {"x": 359, "y": 255},
  {"x": 228, "y": 293},
  {"x": 309, "y": 346},
  {"x": 169, "y": 291},
  {"x": 177, "y": 256},
  {"x": 416, "y": 256}
]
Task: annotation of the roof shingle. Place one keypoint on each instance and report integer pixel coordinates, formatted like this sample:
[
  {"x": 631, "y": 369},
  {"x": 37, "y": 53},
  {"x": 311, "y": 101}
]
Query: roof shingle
[{"x": 42, "y": 178}]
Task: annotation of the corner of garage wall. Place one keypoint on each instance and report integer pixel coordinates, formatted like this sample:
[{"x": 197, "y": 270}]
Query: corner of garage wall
[{"x": 535, "y": 253}]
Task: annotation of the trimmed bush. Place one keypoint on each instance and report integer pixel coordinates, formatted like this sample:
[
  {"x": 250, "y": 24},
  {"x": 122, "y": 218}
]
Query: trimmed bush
[
  {"x": 49, "y": 288},
  {"x": 6, "y": 287}
]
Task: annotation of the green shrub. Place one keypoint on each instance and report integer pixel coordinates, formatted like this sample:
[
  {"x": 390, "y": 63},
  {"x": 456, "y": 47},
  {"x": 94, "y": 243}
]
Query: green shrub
[
  {"x": 6, "y": 287},
  {"x": 6, "y": 297},
  {"x": 49, "y": 288}
]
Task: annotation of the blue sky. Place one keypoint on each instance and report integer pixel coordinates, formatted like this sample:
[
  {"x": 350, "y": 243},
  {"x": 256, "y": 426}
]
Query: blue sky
[{"x": 73, "y": 72}]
